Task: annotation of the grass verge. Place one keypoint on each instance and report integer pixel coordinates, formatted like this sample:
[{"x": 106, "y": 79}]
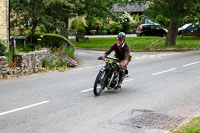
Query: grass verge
[
  {"x": 192, "y": 127},
  {"x": 135, "y": 43},
  {"x": 188, "y": 43},
  {"x": 141, "y": 43}
]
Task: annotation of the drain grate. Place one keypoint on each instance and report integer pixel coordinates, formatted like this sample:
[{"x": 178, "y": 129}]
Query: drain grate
[{"x": 154, "y": 120}]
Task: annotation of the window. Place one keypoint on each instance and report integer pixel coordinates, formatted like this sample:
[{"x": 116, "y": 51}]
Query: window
[{"x": 152, "y": 27}]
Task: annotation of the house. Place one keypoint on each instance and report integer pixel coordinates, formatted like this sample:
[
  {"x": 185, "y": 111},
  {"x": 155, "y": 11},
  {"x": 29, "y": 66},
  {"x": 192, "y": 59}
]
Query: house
[
  {"x": 132, "y": 8},
  {"x": 4, "y": 20}
]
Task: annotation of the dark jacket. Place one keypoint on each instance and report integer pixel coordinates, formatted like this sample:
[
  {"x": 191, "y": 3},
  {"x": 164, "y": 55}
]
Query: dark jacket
[{"x": 121, "y": 53}]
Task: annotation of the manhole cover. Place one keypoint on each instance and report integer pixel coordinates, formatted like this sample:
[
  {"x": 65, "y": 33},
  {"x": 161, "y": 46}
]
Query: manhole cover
[{"x": 154, "y": 120}]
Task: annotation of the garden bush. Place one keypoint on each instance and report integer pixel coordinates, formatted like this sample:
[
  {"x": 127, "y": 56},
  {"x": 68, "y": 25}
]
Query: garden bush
[
  {"x": 79, "y": 26},
  {"x": 92, "y": 24},
  {"x": 54, "y": 41},
  {"x": 114, "y": 27},
  {"x": 2, "y": 48}
]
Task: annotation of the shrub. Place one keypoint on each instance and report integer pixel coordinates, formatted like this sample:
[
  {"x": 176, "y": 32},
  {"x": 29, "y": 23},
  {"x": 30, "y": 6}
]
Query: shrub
[
  {"x": 92, "y": 24},
  {"x": 2, "y": 48},
  {"x": 55, "y": 41},
  {"x": 9, "y": 56},
  {"x": 25, "y": 32},
  {"x": 114, "y": 27},
  {"x": 125, "y": 20},
  {"x": 79, "y": 26},
  {"x": 59, "y": 60}
]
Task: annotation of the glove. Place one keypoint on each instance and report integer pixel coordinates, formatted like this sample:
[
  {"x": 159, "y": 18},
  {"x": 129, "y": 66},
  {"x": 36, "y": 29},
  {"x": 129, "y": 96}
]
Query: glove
[
  {"x": 124, "y": 63},
  {"x": 101, "y": 57}
]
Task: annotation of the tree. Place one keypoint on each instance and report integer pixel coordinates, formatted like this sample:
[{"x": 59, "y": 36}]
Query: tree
[
  {"x": 46, "y": 14},
  {"x": 97, "y": 12},
  {"x": 97, "y": 8},
  {"x": 174, "y": 10}
]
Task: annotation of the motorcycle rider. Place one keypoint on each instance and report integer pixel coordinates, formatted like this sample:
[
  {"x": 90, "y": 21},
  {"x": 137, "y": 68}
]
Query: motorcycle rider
[{"x": 122, "y": 52}]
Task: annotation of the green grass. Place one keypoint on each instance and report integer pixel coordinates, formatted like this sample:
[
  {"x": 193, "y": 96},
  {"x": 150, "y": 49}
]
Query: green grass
[
  {"x": 140, "y": 43},
  {"x": 192, "y": 127},
  {"x": 135, "y": 43},
  {"x": 189, "y": 42}
]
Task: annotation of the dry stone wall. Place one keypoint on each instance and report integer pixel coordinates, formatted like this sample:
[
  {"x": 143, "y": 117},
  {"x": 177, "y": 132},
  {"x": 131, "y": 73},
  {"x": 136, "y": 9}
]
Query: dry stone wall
[
  {"x": 27, "y": 63},
  {"x": 3, "y": 66}
]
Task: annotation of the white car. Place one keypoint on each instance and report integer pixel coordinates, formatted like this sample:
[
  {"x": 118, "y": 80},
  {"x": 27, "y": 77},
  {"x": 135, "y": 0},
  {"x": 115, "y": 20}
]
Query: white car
[{"x": 187, "y": 28}]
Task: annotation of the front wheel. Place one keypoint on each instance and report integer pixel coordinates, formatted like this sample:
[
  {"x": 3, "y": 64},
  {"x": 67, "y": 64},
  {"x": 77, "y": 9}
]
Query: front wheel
[{"x": 99, "y": 83}]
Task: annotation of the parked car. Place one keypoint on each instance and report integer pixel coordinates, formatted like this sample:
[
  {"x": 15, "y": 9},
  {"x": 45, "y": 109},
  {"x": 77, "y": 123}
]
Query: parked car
[
  {"x": 150, "y": 30},
  {"x": 187, "y": 28}
]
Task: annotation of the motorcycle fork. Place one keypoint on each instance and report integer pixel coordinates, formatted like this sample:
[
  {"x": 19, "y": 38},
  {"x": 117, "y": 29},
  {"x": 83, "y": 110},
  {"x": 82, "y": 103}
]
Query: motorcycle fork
[
  {"x": 105, "y": 78},
  {"x": 111, "y": 79}
]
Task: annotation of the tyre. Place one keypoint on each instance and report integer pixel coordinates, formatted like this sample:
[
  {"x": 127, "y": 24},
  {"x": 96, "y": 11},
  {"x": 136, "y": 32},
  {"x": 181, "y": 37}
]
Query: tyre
[
  {"x": 99, "y": 83},
  {"x": 164, "y": 34}
]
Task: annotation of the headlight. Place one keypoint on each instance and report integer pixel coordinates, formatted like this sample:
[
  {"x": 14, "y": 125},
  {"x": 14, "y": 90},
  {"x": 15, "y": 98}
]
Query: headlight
[{"x": 106, "y": 60}]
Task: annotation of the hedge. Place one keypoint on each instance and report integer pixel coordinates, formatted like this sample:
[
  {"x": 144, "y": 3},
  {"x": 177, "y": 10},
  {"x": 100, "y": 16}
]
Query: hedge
[
  {"x": 79, "y": 26},
  {"x": 52, "y": 40}
]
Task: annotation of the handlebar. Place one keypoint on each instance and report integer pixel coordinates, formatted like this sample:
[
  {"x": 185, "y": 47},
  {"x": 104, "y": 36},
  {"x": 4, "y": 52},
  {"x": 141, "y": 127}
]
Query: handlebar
[
  {"x": 109, "y": 57},
  {"x": 113, "y": 58}
]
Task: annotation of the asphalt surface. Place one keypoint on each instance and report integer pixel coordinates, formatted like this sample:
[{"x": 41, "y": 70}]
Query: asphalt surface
[{"x": 165, "y": 83}]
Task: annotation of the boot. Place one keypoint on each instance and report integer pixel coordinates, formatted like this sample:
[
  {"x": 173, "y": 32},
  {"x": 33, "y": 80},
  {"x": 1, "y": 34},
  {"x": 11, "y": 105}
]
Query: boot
[
  {"x": 126, "y": 74},
  {"x": 121, "y": 77}
]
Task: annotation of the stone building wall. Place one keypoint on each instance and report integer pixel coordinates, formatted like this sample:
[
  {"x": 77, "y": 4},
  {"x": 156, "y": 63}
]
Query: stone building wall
[
  {"x": 4, "y": 24},
  {"x": 25, "y": 64}
]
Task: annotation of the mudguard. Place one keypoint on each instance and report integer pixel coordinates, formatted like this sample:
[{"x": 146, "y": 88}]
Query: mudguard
[{"x": 102, "y": 69}]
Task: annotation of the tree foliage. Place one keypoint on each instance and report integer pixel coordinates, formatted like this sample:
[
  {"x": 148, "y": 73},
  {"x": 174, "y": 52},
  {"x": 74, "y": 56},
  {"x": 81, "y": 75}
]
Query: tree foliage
[
  {"x": 79, "y": 26},
  {"x": 177, "y": 12},
  {"x": 47, "y": 15}
]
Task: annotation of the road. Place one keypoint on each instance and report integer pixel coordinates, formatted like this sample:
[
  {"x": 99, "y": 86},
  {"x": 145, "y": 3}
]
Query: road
[{"x": 161, "y": 92}]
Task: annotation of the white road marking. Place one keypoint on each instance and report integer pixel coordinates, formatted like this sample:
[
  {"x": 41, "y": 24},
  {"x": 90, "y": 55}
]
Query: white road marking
[
  {"x": 22, "y": 108},
  {"x": 87, "y": 90},
  {"x": 127, "y": 80},
  {"x": 79, "y": 69},
  {"x": 164, "y": 71},
  {"x": 92, "y": 88},
  {"x": 89, "y": 67},
  {"x": 191, "y": 64}
]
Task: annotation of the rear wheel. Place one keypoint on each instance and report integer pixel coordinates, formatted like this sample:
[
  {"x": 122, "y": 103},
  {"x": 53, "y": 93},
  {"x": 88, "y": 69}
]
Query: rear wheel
[{"x": 99, "y": 83}]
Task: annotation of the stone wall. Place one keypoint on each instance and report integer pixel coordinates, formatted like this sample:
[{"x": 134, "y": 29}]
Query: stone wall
[
  {"x": 3, "y": 66},
  {"x": 4, "y": 24},
  {"x": 25, "y": 64}
]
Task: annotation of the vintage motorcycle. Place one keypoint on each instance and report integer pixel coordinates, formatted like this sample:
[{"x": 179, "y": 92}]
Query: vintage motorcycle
[{"x": 108, "y": 75}]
